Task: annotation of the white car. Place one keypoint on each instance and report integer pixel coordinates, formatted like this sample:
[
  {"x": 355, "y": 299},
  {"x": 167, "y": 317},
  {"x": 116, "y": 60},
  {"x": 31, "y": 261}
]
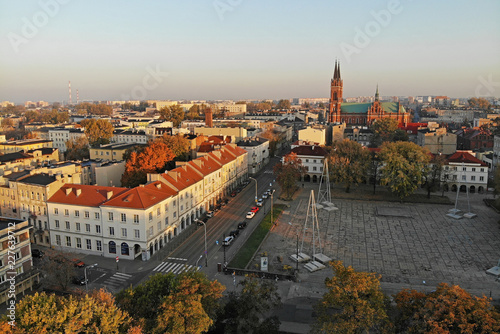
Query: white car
[
  {"x": 250, "y": 215},
  {"x": 227, "y": 241},
  {"x": 265, "y": 195},
  {"x": 260, "y": 202}
]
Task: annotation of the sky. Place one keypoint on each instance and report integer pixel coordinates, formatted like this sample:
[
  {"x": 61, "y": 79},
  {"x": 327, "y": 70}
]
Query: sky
[{"x": 242, "y": 49}]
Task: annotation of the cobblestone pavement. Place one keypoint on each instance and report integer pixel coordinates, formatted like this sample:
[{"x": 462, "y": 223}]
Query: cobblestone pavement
[{"x": 410, "y": 245}]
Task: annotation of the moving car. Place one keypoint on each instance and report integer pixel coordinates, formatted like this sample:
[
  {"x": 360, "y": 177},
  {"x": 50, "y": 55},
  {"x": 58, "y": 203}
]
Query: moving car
[
  {"x": 227, "y": 241},
  {"x": 242, "y": 225},
  {"x": 234, "y": 233},
  {"x": 254, "y": 209},
  {"x": 250, "y": 215},
  {"x": 79, "y": 280},
  {"x": 264, "y": 195},
  {"x": 78, "y": 263},
  {"x": 260, "y": 202}
]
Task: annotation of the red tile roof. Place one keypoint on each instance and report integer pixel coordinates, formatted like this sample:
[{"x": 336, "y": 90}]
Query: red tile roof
[
  {"x": 464, "y": 157},
  {"x": 309, "y": 150},
  {"x": 142, "y": 197},
  {"x": 86, "y": 195}
]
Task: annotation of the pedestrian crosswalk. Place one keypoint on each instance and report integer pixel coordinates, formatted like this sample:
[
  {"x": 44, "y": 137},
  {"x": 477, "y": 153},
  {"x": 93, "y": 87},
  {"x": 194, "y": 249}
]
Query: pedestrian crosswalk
[
  {"x": 117, "y": 280},
  {"x": 173, "y": 267}
]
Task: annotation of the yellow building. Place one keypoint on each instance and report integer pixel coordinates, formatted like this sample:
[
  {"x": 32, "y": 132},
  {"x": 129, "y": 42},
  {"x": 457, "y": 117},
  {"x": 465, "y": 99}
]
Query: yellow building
[
  {"x": 110, "y": 151},
  {"x": 24, "y": 145}
]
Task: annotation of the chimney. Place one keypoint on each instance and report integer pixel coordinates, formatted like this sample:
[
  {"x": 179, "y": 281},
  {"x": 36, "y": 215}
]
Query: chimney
[
  {"x": 78, "y": 192},
  {"x": 109, "y": 194},
  {"x": 208, "y": 118},
  {"x": 158, "y": 185},
  {"x": 68, "y": 191}
]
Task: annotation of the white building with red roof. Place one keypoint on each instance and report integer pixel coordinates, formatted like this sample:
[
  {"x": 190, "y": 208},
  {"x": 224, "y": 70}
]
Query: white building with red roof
[
  {"x": 128, "y": 223},
  {"x": 463, "y": 170},
  {"x": 312, "y": 158}
]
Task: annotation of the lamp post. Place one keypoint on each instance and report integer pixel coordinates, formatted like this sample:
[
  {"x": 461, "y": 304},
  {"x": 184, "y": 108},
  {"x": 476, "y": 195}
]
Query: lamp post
[
  {"x": 255, "y": 187},
  {"x": 206, "y": 250},
  {"x": 85, "y": 273},
  {"x": 272, "y": 193},
  {"x": 198, "y": 260}
]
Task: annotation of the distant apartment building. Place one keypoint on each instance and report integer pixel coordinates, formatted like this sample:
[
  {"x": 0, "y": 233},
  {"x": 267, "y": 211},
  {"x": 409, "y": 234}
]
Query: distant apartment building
[
  {"x": 361, "y": 135},
  {"x": 438, "y": 141},
  {"x": 231, "y": 109},
  {"x": 136, "y": 223},
  {"x": 237, "y": 133},
  {"x": 24, "y": 145},
  {"x": 314, "y": 134},
  {"x": 474, "y": 139},
  {"x": 16, "y": 264},
  {"x": 60, "y": 136},
  {"x": 113, "y": 151},
  {"x": 129, "y": 137},
  {"x": 5, "y": 104},
  {"x": 258, "y": 152}
]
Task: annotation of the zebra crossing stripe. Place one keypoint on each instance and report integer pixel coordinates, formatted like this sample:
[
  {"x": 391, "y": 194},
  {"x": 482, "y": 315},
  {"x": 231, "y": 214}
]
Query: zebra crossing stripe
[{"x": 173, "y": 267}]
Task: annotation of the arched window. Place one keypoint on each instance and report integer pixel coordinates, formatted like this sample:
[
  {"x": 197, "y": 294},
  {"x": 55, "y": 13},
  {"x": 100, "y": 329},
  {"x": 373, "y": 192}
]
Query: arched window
[
  {"x": 112, "y": 247},
  {"x": 125, "y": 250}
]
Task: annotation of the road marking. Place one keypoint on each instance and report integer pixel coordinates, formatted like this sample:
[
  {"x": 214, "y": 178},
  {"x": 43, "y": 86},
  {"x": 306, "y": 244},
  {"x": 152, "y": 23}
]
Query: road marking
[
  {"x": 117, "y": 280},
  {"x": 177, "y": 258},
  {"x": 173, "y": 267}
]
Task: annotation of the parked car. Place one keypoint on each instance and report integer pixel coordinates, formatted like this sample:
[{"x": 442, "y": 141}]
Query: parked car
[
  {"x": 260, "y": 202},
  {"x": 264, "y": 195},
  {"x": 234, "y": 233},
  {"x": 210, "y": 214},
  {"x": 242, "y": 225},
  {"x": 79, "y": 280},
  {"x": 250, "y": 215},
  {"x": 254, "y": 209},
  {"x": 36, "y": 253},
  {"x": 78, "y": 263},
  {"x": 227, "y": 241}
]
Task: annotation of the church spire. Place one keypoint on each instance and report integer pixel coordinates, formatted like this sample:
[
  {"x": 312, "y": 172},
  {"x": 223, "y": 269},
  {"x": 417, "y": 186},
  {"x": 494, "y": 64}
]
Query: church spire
[
  {"x": 336, "y": 72},
  {"x": 376, "y": 94}
]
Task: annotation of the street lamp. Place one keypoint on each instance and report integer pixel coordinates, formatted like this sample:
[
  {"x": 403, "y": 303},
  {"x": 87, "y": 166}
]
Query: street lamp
[
  {"x": 272, "y": 193},
  {"x": 255, "y": 187},
  {"x": 85, "y": 273},
  {"x": 198, "y": 260},
  {"x": 206, "y": 250}
]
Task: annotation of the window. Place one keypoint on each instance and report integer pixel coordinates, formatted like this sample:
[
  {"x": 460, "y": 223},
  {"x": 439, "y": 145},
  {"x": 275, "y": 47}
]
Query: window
[
  {"x": 67, "y": 225},
  {"x": 87, "y": 215},
  {"x": 56, "y": 211},
  {"x": 66, "y": 212},
  {"x": 98, "y": 229},
  {"x": 110, "y": 215},
  {"x": 473, "y": 169},
  {"x": 19, "y": 270},
  {"x": 98, "y": 245},
  {"x": 68, "y": 241},
  {"x": 481, "y": 178},
  {"x": 166, "y": 208},
  {"x": 473, "y": 178},
  {"x": 97, "y": 215},
  {"x": 166, "y": 221},
  {"x": 158, "y": 226},
  {"x": 464, "y": 169},
  {"x": 158, "y": 212},
  {"x": 78, "y": 243},
  {"x": 78, "y": 226},
  {"x": 482, "y": 169},
  {"x": 150, "y": 216},
  {"x": 464, "y": 178},
  {"x": 89, "y": 243},
  {"x": 123, "y": 217},
  {"x": 112, "y": 247},
  {"x": 182, "y": 207},
  {"x": 136, "y": 219},
  {"x": 137, "y": 234},
  {"x": 111, "y": 231},
  {"x": 454, "y": 177},
  {"x": 58, "y": 240},
  {"x": 87, "y": 228},
  {"x": 314, "y": 168},
  {"x": 307, "y": 160},
  {"x": 77, "y": 213},
  {"x": 175, "y": 214},
  {"x": 124, "y": 232},
  {"x": 175, "y": 202},
  {"x": 151, "y": 230},
  {"x": 57, "y": 223}
]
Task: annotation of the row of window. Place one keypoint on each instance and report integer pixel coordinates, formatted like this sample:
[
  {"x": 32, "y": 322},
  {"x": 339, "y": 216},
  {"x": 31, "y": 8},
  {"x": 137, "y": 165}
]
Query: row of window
[
  {"x": 98, "y": 228},
  {"x": 464, "y": 169},
  {"x": 88, "y": 243},
  {"x": 464, "y": 178}
]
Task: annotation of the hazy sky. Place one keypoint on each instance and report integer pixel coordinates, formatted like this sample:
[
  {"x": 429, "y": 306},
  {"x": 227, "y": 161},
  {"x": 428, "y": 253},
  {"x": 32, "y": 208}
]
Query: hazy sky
[{"x": 242, "y": 49}]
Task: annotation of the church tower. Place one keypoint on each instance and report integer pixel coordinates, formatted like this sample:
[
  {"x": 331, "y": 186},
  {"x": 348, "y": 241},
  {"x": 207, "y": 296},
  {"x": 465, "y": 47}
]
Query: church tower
[{"x": 336, "y": 88}]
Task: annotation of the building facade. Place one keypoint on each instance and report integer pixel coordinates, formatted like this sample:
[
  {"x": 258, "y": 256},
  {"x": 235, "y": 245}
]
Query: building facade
[{"x": 465, "y": 172}]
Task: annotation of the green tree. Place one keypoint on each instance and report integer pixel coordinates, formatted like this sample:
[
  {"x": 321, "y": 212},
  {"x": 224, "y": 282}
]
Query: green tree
[
  {"x": 194, "y": 112},
  {"x": 173, "y": 113},
  {"x": 383, "y": 130},
  {"x": 180, "y": 146},
  {"x": 348, "y": 163},
  {"x": 98, "y": 131},
  {"x": 448, "y": 309},
  {"x": 405, "y": 165},
  {"x": 354, "y": 303},
  {"x": 77, "y": 149},
  {"x": 247, "y": 311},
  {"x": 283, "y": 104},
  {"x": 168, "y": 303},
  {"x": 287, "y": 173},
  {"x": 96, "y": 313},
  {"x": 434, "y": 174}
]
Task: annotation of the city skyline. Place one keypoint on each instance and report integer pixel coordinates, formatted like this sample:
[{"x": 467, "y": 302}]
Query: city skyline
[{"x": 247, "y": 50}]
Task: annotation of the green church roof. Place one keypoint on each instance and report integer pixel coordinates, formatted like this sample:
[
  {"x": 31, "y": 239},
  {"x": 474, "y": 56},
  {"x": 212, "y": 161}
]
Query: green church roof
[{"x": 362, "y": 108}]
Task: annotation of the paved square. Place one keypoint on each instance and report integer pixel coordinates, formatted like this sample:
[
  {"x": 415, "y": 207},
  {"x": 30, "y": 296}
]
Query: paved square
[{"x": 405, "y": 243}]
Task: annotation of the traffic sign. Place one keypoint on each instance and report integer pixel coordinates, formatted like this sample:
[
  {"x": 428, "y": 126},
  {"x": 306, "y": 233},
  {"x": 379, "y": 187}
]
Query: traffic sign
[{"x": 117, "y": 258}]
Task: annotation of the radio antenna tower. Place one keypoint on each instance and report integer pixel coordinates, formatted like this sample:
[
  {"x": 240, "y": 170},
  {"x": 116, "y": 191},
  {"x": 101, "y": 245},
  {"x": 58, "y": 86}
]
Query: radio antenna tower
[{"x": 69, "y": 87}]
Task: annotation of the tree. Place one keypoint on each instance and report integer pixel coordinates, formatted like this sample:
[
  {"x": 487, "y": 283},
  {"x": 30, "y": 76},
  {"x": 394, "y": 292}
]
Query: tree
[
  {"x": 375, "y": 174},
  {"x": 96, "y": 313},
  {"x": 449, "y": 309},
  {"x": 400, "y": 135},
  {"x": 480, "y": 103},
  {"x": 30, "y": 135},
  {"x": 99, "y": 109},
  {"x": 180, "y": 146},
  {"x": 7, "y": 123},
  {"x": 354, "y": 303},
  {"x": 184, "y": 303},
  {"x": 434, "y": 174},
  {"x": 58, "y": 268},
  {"x": 287, "y": 173},
  {"x": 173, "y": 113},
  {"x": 383, "y": 129},
  {"x": 273, "y": 138},
  {"x": 77, "y": 149},
  {"x": 194, "y": 112},
  {"x": 150, "y": 159},
  {"x": 248, "y": 311},
  {"x": 348, "y": 163},
  {"x": 405, "y": 165},
  {"x": 283, "y": 104},
  {"x": 98, "y": 131}
]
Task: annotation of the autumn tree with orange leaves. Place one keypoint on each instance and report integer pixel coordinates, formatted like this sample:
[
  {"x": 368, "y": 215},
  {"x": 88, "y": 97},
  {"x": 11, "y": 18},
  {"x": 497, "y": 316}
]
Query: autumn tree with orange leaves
[
  {"x": 150, "y": 159},
  {"x": 288, "y": 173},
  {"x": 449, "y": 309}
]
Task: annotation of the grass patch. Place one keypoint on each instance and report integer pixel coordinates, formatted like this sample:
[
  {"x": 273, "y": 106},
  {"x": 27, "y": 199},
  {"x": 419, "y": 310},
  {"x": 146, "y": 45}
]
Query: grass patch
[{"x": 245, "y": 254}]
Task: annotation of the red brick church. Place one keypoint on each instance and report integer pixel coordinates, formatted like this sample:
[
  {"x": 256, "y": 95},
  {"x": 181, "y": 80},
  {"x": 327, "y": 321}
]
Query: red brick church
[{"x": 361, "y": 113}]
